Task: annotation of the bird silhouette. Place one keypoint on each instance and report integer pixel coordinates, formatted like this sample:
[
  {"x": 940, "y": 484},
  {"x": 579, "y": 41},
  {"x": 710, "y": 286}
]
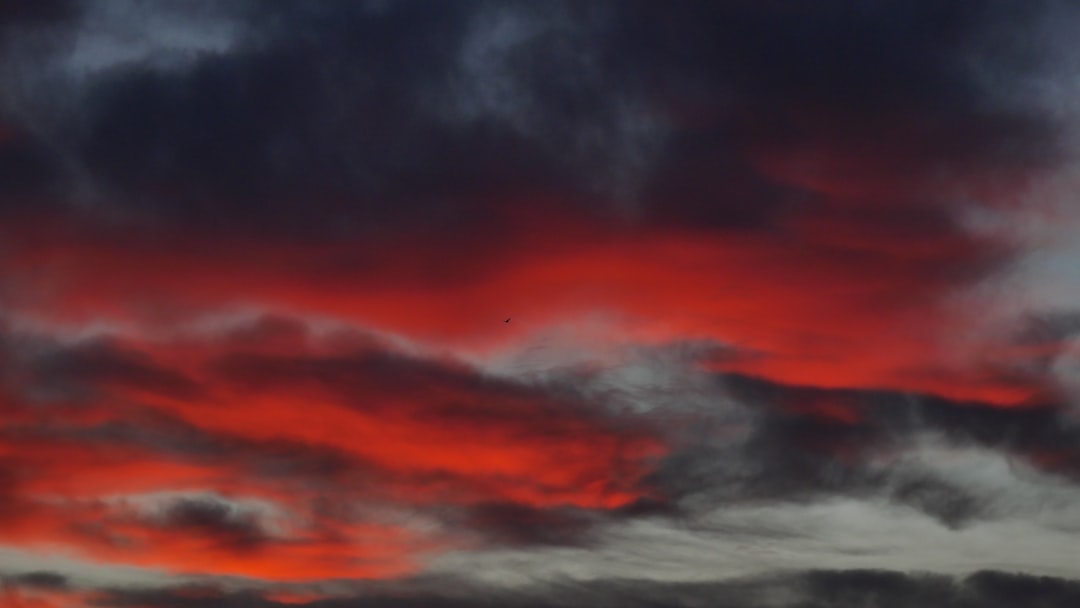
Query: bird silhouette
[{"x": 507, "y": 320}]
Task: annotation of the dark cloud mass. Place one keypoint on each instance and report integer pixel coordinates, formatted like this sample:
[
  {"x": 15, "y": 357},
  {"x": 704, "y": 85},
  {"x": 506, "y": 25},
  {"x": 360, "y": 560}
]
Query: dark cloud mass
[
  {"x": 793, "y": 314},
  {"x": 366, "y": 114},
  {"x": 216, "y": 519},
  {"x": 810, "y": 442},
  {"x": 836, "y": 589},
  {"x": 44, "y": 580}
]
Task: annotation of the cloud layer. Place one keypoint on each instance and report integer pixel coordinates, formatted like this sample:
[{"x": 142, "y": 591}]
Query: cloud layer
[{"x": 318, "y": 304}]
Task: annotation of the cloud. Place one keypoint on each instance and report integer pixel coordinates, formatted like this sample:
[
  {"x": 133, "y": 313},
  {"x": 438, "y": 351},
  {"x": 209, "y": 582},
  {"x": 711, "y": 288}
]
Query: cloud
[
  {"x": 800, "y": 444},
  {"x": 839, "y": 589},
  {"x": 39, "y": 589},
  {"x": 561, "y": 106},
  {"x": 39, "y": 580},
  {"x": 48, "y": 11},
  {"x": 513, "y": 524},
  {"x": 434, "y": 451},
  {"x": 366, "y": 122},
  {"x": 214, "y": 519},
  {"x": 255, "y": 262},
  {"x": 380, "y": 441},
  {"x": 774, "y": 183},
  {"x": 98, "y": 365}
]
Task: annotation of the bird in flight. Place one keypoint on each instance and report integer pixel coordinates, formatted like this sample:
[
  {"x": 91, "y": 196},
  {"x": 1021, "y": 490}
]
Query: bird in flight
[{"x": 507, "y": 320}]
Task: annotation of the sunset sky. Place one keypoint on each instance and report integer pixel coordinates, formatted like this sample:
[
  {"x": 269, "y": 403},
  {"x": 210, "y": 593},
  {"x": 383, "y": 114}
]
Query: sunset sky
[{"x": 537, "y": 304}]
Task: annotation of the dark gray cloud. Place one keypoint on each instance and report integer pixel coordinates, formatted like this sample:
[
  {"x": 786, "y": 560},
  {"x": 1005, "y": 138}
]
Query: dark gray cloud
[
  {"x": 947, "y": 502},
  {"x": 516, "y": 525},
  {"x": 216, "y": 519},
  {"x": 364, "y": 114},
  {"x": 814, "y": 589},
  {"x": 35, "y": 13},
  {"x": 89, "y": 367},
  {"x": 803, "y": 444},
  {"x": 37, "y": 580}
]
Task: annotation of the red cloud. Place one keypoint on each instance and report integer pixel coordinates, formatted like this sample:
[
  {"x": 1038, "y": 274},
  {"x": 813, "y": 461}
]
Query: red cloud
[
  {"x": 329, "y": 434},
  {"x": 853, "y": 297},
  {"x": 855, "y": 289}
]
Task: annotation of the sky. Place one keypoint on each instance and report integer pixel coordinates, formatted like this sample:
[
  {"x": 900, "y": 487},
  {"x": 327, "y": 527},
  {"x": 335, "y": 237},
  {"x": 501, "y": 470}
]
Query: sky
[{"x": 539, "y": 304}]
